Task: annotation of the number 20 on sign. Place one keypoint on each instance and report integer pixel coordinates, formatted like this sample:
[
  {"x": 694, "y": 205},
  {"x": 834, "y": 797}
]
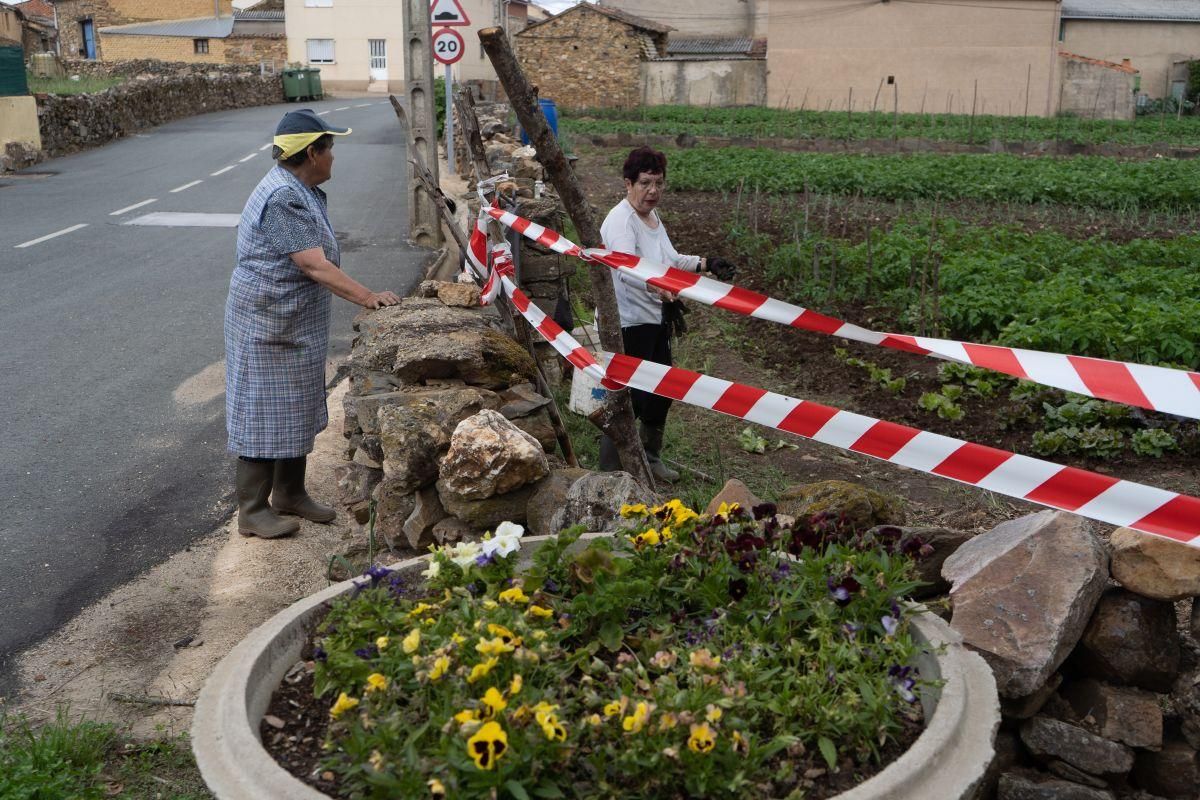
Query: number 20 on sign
[{"x": 447, "y": 46}]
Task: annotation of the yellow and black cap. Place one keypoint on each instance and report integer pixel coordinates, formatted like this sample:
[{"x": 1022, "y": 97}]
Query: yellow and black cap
[{"x": 298, "y": 129}]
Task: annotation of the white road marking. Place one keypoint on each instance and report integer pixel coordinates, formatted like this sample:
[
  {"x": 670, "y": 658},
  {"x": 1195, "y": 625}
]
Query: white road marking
[
  {"x": 343, "y": 108},
  {"x": 186, "y": 219},
  {"x": 362, "y": 105},
  {"x": 322, "y": 113},
  {"x": 121, "y": 211},
  {"x": 222, "y": 170},
  {"x": 265, "y": 146},
  {"x": 185, "y": 186},
  {"x": 48, "y": 236},
  {"x": 247, "y": 158}
]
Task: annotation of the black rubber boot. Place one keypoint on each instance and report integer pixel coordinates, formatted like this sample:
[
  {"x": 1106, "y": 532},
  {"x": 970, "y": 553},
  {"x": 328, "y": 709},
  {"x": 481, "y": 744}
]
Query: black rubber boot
[
  {"x": 255, "y": 517},
  {"x": 652, "y": 439},
  {"x": 610, "y": 460},
  {"x": 290, "y": 496}
]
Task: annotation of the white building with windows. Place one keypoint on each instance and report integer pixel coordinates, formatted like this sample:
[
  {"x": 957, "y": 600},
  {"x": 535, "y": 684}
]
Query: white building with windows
[{"x": 358, "y": 44}]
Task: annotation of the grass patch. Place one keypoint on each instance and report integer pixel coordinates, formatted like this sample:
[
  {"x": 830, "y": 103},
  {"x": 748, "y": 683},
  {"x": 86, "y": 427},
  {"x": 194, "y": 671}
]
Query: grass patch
[
  {"x": 85, "y": 85},
  {"x": 66, "y": 760}
]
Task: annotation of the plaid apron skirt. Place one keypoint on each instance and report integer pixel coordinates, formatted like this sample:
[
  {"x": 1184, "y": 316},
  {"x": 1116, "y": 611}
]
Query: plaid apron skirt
[{"x": 277, "y": 325}]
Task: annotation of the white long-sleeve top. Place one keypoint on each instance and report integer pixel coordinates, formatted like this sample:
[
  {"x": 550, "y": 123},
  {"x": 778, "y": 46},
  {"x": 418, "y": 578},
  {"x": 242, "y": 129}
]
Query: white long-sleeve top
[{"x": 625, "y": 232}]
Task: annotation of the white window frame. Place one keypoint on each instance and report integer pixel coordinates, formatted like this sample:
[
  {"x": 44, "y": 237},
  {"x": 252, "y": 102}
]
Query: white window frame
[
  {"x": 318, "y": 3},
  {"x": 308, "y": 52}
]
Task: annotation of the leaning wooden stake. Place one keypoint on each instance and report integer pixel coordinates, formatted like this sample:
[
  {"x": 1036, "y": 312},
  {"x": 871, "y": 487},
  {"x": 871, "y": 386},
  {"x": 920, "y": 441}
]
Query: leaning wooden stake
[
  {"x": 615, "y": 418},
  {"x": 428, "y": 183}
]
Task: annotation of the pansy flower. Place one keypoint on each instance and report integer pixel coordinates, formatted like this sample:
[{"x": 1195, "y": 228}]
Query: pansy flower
[
  {"x": 637, "y": 720},
  {"x": 513, "y": 595},
  {"x": 440, "y": 665},
  {"x": 540, "y": 611},
  {"x": 480, "y": 670},
  {"x": 436, "y": 788},
  {"x": 382, "y": 643},
  {"x": 648, "y": 538},
  {"x": 493, "y": 647},
  {"x": 702, "y": 659},
  {"x": 492, "y": 703},
  {"x": 844, "y": 590},
  {"x": 376, "y": 682},
  {"x": 343, "y": 704},
  {"x": 702, "y": 739},
  {"x": 412, "y": 641},
  {"x": 629, "y": 511},
  {"x": 903, "y": 681},
  {"x": 487, "y": 746}
]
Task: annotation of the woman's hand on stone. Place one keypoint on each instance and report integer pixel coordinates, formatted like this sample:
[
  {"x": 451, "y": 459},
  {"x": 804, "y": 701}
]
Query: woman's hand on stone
[{"x": 381, "y": 299}]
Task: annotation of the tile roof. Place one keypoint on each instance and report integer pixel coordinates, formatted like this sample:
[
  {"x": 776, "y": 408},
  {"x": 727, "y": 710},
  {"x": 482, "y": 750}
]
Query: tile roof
[
  {"x": 35, "y": 8},
  {"x": 198, "y": 28},
  {"x": 709, "y": 44},
  {"x": 1133, "y": 10},
  {"x": 1124, "y": 66},
  {"x": 252, "y": 15}
]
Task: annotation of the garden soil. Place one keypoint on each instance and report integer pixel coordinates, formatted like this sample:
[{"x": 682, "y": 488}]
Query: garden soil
[{"x": 157, "y": 638}]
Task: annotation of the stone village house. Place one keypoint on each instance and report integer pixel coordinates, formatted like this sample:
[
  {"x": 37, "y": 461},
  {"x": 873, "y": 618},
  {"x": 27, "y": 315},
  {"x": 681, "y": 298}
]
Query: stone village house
[{"x": 197, "y": 31}]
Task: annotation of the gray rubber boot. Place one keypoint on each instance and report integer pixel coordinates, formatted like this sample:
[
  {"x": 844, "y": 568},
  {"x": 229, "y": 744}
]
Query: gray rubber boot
[
  {"x": 290, "y": 496},
  {"x": 652, "y": 439},
  {"x": 610, "y": 460},
  {"x": 255, "y": 517}
]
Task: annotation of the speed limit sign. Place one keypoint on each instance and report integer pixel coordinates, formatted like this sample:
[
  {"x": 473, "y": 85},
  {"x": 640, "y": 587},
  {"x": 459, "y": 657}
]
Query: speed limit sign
[{"x": 447, "y": 46}]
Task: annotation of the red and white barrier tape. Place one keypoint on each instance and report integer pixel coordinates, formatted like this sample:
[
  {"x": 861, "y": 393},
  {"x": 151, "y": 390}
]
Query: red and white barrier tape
[
  {"x": 1156, "y": 388},
  {"x": 1089, "y": 494}
]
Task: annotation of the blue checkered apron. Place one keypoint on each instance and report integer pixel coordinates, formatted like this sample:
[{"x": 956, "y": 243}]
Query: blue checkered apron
[{"x": 276, "y": 331}]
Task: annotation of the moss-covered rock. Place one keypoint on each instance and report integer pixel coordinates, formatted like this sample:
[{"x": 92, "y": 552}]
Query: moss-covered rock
[{"x": 861, "y": 507}]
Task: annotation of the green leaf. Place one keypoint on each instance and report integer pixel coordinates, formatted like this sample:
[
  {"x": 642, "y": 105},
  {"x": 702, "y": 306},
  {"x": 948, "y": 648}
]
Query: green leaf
[
  {"x": 548, "y": 790},
  {"x": 516, "y": 790},
  {"x": 611, "y": 635},
  {"x": 828, "y": 751}
]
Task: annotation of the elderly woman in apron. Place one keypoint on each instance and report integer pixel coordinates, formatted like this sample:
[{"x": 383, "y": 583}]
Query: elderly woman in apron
[{"x": 277, "y": 328}]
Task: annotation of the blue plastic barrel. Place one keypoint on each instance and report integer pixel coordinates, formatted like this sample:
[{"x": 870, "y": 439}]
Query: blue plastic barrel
[{"x": 550, "y": 110}]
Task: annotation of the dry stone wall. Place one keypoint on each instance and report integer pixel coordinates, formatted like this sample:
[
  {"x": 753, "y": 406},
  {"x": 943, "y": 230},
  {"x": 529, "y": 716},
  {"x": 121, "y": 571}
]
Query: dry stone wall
[
  {"x": 585, "y": 59},
  {"x": 74, "y": 122}
]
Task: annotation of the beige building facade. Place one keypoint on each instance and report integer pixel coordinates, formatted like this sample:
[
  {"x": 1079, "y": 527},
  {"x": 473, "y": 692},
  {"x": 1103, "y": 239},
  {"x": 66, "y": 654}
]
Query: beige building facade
[
  {"x": 931, "y": 57},
  {"x": 1157, "y": 36}
]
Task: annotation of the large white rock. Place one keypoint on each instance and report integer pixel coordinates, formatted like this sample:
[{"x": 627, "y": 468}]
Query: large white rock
[
  {"x": 1155, "y": 567},
  {"x": 1023, "y": 592},
  {"x": 488, "y": 456}
]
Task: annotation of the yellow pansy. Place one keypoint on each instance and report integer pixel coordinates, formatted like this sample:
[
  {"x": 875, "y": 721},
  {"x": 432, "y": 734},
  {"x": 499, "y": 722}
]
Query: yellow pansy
[
  {"x": 420, "y": 609},
  {"x": 739, "y": 743},
  {"x": 503, "y": 633},
  {"x": 412, "y": 641},
  {"x": 612, "y": 709},
  {"x": 539, "y": 635},
  {"x": 382, "y": 643},
  {"x": 480, "y": 670},
  {"x": 702, "y": 659},
  {"x": 493, "y": 703},
  {"x": 514, "y": 595},
  {"x": 376, "y": 682},
  {"x": 637, "y": 720},
  {"x": 702, "y": 739},
  {"x": 457, "y": 638},
  {"x": 493, "y": 647},
  {"x": 490, "y": 604},
  {"x": 725, "y": 509},
  {"x": 594, "y": 719},
  {"x": 514, "y": 687},
  {"x": 540, "y": 611},
  {"x": 440, "y": 665},
  {"x": 487, "y": 745},
  {"x": 376, "y": 760},
  {"x": 466, "y": 715},
  {"x": 552, "y": 729},
  {"x": 436, "y": 788},
  {"x": 635, "y": 510},
  {"x": 714, "y": 713},
  {"x": 666, "y": 533},
  {"x": 648, "y": 538},
  {"x": 667, "y": 721},
  {"x": 343, "y": 704}
]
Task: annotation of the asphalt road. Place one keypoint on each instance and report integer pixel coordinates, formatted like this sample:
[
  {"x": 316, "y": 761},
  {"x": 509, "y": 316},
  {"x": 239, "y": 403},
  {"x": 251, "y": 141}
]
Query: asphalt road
[{"x": 112, "y": 455}]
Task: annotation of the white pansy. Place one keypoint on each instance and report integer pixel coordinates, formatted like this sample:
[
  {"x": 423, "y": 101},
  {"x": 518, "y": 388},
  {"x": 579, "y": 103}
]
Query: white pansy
[
  {"x": 506, "y": 539},
  {"x": 433, "y": 569},
  {"x": 464, "y": 553}
]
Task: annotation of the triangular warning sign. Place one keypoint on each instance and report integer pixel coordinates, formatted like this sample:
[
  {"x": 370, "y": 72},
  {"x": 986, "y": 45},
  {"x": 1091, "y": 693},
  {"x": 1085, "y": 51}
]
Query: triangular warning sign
[{"x": 447, "y": 12}]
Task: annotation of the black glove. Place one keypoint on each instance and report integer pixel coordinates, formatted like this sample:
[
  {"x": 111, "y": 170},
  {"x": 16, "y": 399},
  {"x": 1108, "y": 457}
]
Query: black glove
[
  {"x": 721, "y": 269},
  {"x": 672, "y": 316}
]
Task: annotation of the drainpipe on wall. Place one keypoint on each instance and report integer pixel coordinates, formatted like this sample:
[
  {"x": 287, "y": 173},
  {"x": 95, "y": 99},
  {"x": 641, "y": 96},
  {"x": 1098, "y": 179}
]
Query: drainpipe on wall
[{"x": 57, "y": 32}]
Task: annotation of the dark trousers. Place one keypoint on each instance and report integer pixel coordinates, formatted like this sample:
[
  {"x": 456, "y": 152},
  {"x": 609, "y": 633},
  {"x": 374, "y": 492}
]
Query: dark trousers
[{"x": 649, "y": 342}]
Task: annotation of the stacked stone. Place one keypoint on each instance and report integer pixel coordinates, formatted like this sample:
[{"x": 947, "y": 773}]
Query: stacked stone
[
  {"x": 72, "y": 122},
  {"x": 447, "y": 436},
  {"x": 1100, "y": 691},
  {"x": 151, "y": 67}
]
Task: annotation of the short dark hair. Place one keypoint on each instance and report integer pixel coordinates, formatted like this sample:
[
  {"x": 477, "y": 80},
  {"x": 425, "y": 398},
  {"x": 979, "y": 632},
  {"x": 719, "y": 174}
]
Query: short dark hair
[
  {"x": 297, "y": 159},
  {"x": 644, "y": 159}
]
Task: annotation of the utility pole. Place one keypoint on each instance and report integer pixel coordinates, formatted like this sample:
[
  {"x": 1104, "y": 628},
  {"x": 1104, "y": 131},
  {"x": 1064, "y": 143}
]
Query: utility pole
[{"x": 423, "y": 223}]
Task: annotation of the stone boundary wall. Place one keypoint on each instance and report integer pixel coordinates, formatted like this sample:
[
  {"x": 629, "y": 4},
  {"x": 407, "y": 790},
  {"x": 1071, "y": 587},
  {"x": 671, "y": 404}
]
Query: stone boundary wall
[
  {"x": 151, "y": 66},
  {"x": 74, "y": 122}
]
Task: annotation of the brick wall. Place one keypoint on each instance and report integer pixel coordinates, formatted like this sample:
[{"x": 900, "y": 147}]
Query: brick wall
[
  {"x": 253, "y": 49},
  {"x": 175, "y": 9},
  {"x": 143, "y": 67},
  {"x": 162, "y": 48},
  {"x": 583, "y": 59}
]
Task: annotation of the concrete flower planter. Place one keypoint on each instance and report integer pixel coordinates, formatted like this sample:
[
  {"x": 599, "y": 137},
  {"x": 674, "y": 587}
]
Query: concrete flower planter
[{"x": 946, "y": 762}]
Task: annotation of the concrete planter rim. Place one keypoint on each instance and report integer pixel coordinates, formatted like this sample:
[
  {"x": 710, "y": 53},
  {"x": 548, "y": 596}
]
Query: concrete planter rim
[{"x": 947, "y": 761}]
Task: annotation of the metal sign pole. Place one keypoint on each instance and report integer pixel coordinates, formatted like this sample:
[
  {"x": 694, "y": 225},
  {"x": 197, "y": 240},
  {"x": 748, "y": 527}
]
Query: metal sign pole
[{"x": 450, "y": 120}]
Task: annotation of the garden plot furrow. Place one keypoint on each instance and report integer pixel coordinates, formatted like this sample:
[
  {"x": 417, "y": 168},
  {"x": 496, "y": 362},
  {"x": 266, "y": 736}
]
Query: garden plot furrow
[{"x": 1094, "y": 181}]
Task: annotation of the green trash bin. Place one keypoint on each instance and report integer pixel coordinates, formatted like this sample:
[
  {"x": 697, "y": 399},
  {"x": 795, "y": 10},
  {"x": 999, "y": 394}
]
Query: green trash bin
[
  {"x": 295, "y": 84},
  {"x": 315, "y": 91}
]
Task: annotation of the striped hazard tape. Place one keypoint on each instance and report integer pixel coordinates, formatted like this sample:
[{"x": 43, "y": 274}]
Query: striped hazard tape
[
  {"x": 1089, "y": 494},
  {"x": 1156, "y": 388}
]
